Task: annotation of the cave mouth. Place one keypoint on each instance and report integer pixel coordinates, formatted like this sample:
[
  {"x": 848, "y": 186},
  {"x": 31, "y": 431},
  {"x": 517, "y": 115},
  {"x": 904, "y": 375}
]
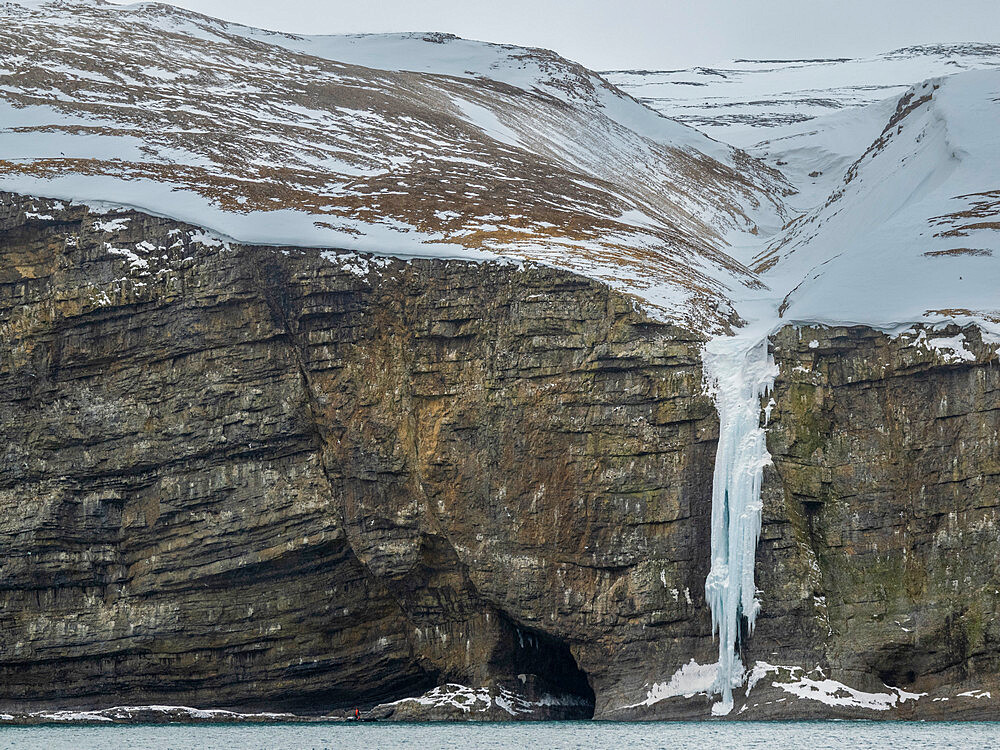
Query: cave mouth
[
  {"x": 904, "y": 665},
  {"x": 543, "y": 663},
  {"x": 898, "y": 677}
]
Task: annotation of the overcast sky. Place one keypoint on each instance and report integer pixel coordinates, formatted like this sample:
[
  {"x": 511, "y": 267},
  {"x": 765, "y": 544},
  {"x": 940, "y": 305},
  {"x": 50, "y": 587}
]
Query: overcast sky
[{"x": 605, "y": 34}]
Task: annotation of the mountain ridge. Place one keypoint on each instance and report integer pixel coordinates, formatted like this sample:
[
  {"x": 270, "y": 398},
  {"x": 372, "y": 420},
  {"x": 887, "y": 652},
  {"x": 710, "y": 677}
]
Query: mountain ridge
[
  {"x": 745, "y": 101},
  {"x": 264, "y": 144}
]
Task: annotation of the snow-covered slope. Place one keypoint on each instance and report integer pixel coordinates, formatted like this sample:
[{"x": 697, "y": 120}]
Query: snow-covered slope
[
  {"x": 911, "y": 229},
  {"x": 539, "y": 71},
  {"x": 449, "y": 148},
  {"x": 739, "y": 101},
  {"x": 814, "y": 154},
  {"x": 900, "y": 225},
  {"x": 426, "y": 144}
]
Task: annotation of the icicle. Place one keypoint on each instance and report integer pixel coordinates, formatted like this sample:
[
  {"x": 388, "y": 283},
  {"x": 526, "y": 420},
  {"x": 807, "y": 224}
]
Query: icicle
[{"x": 740, "y": 372}]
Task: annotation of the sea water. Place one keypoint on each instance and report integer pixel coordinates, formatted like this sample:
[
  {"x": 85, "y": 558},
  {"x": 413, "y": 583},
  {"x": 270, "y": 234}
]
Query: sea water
[{"x": 597, "y": 735}]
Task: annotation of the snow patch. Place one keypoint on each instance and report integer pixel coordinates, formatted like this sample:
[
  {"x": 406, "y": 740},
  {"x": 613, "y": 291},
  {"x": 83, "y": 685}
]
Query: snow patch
[
  {"x": 827, "y": 691},
  {"x": 111, "y": 226},
  {"x": 127, "y": 713},
  {"x": 478, "y": 700},
  {"x": 690, "y": 680},
  {"x": 208, "y": 239},
  {"x": 359, "y": 265},
  {"x": 487, "y": 121},
  {"x": 975, "y": 694},
  {"x": 951, "y": 349},
  {"x": 833, "y": 693},
  {"x": 136, "y": 263}
]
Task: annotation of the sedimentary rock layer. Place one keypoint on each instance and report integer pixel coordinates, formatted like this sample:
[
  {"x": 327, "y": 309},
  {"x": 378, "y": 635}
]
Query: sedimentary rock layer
[{"x": 289, "y": 479}]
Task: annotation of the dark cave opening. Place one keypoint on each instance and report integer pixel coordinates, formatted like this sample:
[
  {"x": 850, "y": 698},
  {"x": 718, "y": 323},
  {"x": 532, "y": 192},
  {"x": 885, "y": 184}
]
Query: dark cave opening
[
  {"x": 899, "y": 665},
  {"x": 548, "y": 661},
  {"x": 898, "y": 677}
]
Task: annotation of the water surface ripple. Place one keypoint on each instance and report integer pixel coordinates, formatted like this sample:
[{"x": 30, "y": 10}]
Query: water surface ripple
[{"x": 810, "y": 735}]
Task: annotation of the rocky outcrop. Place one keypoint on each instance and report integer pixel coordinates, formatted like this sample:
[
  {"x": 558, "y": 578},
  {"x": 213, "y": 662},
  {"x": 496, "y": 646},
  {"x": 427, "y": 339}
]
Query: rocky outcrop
[
  {"x": 284, "y": 479},
  {"x": 879, "y": 553},
  {"x": 500, "y": 700},
  {"x": 242, "y": 477}
]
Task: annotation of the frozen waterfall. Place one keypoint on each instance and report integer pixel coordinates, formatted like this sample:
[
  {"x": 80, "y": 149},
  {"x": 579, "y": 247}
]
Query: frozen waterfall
[{"x": 739, "y": 372}]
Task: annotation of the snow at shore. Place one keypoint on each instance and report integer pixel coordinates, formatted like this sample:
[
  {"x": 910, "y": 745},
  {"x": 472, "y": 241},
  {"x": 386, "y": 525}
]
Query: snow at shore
[
  {"x": 693, "y": 680},
  {"x": 134, "y": 714}
]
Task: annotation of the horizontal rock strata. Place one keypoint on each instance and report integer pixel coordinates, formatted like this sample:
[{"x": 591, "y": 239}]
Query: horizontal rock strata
[{"x": 283, "y": 479}]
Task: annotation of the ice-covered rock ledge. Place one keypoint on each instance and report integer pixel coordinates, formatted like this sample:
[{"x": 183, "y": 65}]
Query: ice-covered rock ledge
[
  {"x": 154, "y": 714},
  {"x": 520, "y": 700}
]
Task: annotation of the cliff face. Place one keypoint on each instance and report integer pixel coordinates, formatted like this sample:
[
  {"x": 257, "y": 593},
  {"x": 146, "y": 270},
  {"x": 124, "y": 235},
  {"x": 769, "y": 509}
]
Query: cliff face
[
  {"x": 879, "y": 553},
  {"x": 244, "y": 476},
  {"x": 252, "y": 476}
]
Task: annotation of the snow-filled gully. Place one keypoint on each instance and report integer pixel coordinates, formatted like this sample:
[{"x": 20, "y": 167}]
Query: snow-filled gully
[{"x": 739, "y": 372}]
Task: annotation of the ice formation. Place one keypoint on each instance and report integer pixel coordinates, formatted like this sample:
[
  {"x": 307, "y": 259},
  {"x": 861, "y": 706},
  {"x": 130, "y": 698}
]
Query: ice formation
[{"x": 740, "y": 372}]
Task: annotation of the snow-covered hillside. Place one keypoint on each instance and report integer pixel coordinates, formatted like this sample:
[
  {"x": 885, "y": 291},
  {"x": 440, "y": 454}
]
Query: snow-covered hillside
[
  {"x": 910, "y": 230},
  {"x": 894, "y": 159},
  {"x": 739, "y": 101},
  {"x": 448, "y": 148},
  {"x": 426, "y": 144}
]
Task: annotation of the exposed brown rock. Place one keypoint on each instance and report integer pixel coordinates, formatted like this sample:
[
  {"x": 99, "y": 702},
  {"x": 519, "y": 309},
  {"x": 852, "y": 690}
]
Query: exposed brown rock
[{"x": 251, "y": 477}]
